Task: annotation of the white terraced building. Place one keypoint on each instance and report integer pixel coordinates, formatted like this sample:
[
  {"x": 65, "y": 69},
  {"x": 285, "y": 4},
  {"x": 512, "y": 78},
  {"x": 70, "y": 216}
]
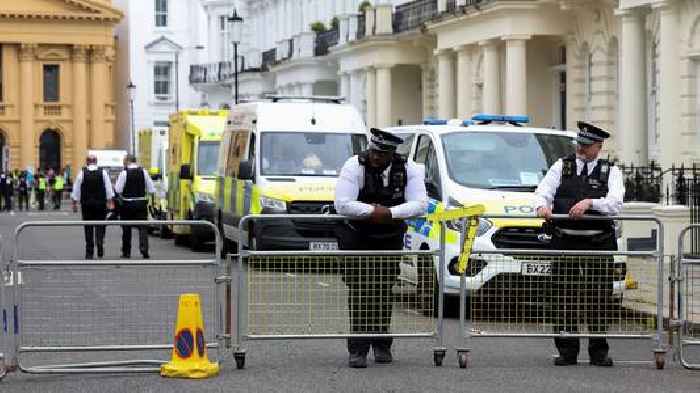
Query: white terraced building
[{"x": 630, "y": 66}]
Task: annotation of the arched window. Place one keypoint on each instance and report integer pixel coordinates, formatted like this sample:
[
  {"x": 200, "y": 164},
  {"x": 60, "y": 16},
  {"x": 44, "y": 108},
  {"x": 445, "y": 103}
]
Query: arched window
[{"x": 50, "y": 150}]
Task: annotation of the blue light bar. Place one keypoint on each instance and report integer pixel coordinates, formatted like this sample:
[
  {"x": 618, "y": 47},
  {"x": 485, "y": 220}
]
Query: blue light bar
[
  {"x": 434, "y": 122},
  {"x": 516, "y": 118},
  {"x": 467, "y": 123},
  {"x": 486, "y": 117}
]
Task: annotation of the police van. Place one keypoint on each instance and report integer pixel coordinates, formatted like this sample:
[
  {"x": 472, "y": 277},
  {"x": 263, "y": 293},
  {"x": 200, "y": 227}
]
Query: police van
[
  {"x": 496, "y": 161},
  {"x": 284, "y": 156}
]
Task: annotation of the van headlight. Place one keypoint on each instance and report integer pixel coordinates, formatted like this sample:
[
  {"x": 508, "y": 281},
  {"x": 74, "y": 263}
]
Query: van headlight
[
  {"x": 484, "y": 226},
  {"x": 272, "y": 205}
]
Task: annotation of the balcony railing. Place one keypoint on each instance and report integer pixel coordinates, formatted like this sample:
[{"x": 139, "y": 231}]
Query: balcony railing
[
  {"x": 361, "y": 26},
  {"x": 51, "y": 110},
  {"x": 268, "y": 59},
  {"x": 324, "y": 41},
  {"x": 412, "y": 15},
  {"x": 5, "y": 109},
  {"x": 212, "y": 72}
]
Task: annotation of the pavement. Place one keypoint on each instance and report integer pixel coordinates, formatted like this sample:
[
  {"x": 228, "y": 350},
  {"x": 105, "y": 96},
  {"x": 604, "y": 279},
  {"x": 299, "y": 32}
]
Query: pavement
[{"x": 496, "y": 365}]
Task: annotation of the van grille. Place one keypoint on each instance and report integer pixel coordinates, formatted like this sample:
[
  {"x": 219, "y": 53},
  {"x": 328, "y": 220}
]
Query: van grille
[
  {"x": 520, "y": 237},
  {"x": 307, "y": 207}
]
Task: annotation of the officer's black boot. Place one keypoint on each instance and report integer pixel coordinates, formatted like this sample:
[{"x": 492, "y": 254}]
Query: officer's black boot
[
  {"x": 358, "y": 348},
  {"x": 382, "y": 351},
  {"x": 598, "y": 352}
]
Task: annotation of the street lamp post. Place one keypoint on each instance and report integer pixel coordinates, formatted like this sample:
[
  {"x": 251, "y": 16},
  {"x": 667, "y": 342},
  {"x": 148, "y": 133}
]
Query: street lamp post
[
  {"x": 131, "y": 88},
  {"x": 235, "y": 24}
]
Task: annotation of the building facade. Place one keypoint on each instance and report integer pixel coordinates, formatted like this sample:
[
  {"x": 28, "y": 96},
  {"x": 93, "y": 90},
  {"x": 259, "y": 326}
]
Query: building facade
[
  {"x": 630, "y": 66},
  {"x": 158, "y": 41},
  {"x": 56, "y": 71}
]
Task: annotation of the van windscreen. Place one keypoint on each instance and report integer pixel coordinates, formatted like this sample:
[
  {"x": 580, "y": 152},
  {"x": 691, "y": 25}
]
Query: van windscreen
[
  {"x": 207, "y": 156},
  {"x": 308, "y": 153},
  {"x": 503, "y": 160}
]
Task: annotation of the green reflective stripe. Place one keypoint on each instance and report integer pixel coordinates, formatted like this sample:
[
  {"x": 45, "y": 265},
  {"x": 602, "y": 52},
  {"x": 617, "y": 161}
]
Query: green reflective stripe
[
  {"x": 228, "y": 182},
  {"x": 255, "y": 207},
  {"x": 248, "y": 193},
  {"x": 240, "y": 195}
]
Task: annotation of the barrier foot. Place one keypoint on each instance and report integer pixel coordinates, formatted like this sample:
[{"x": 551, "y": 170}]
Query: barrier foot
[
  {"x": 439, "y": 356},
  {"x": 463, "y": 357},
  {"x": 239, "y": 357},
  {"x": 660, "y": 358}
]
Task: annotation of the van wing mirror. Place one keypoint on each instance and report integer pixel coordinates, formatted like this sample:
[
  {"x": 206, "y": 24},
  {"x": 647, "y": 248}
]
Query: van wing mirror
[
  {"x": 186, "y": 172},
  {"x": 246, "y": 170}
]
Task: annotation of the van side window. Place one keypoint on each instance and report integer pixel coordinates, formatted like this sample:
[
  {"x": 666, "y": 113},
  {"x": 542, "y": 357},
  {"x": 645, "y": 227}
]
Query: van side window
[
  {"x": 236, "y": 151},
  {"x": 426, "y": 155}
]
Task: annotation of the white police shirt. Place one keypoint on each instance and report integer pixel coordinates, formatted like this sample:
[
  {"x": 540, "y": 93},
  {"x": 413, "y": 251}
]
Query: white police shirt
[
  {"x": 121, "y": 181},
  {"x": 351, "y": 181},
  {"x": 610, "y": 205},
  {"x": 109, "y": 192}
]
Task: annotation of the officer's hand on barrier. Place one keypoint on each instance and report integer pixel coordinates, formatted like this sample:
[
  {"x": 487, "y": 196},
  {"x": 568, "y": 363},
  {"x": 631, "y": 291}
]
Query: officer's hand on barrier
[
  {"x": 75, "y": 207},
  {"x": 380, "y": 214},
  {"x": 579, "y": 209},
  {"x": 544, "y": 212}
]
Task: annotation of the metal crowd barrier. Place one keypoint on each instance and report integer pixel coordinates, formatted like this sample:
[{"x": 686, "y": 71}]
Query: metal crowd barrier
[
  {"x": 76, "y": 308},
  {"x": 544, "y": 293},
  {"x": 287, "y": 295},
  {"x": 688, "y": 268},
  {"x": 4, "y": 273}
]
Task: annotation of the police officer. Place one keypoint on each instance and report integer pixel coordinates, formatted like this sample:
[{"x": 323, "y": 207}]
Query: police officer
[
  {"x": 93, "y": 189},
  {"x": 23, "y": 191},
  {"x": 41, "y": 189},
  {"x": 577, "y": 185},
  {"x": 58, "y": 185},
  {"x": 8, "y": 190},
  {"x": 381, "y": 189},
  {"x": 132, "y": 184}
]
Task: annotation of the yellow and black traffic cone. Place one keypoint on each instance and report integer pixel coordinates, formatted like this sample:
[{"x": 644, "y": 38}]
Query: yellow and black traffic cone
[{"x": 189, "y": 359}]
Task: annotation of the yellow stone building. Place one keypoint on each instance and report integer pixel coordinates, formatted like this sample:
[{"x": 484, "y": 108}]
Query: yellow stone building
[{"x": 56, "y": 86}]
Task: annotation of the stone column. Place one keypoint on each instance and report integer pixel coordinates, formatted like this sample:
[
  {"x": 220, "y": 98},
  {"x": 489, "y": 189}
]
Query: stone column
[
  {"x": 492, "y": 87},
  {"x": 356, "y": 89},
  {"x": 384, "y": 114},
  {"x": 27, "y": 139},
  {"x": 80, "y": 130},
  {"x": 345, "y": 86},
  {"x": 669, "y": 86},
  {"x": 633, "y": 122},
  {"x": 446, "y": 84},
  {"x": 99, "y": 78},
  {"x": 307, "y": 89},
  {"x": 371, "y": 96},
  {"x": 465, "y": 81},
  {"x": 516, "y": 75}
]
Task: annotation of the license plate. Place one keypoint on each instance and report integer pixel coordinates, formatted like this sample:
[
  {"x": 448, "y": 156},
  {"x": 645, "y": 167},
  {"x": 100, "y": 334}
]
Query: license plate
[
  {"x": 536, "y": 269},
  {"x": 323, "y": 246}
]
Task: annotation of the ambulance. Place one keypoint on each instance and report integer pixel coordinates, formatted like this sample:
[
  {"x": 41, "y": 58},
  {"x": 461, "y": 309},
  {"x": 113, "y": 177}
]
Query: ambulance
[
  {"x": 194, "y": 138},
  {"x": 284, "y": 156},
  {"x": 497, "y": 161}
]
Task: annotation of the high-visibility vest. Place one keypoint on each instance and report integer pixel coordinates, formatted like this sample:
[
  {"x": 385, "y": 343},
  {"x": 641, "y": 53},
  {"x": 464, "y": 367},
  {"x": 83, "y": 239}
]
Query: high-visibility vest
[
  {"x": 42, "y": 184},
  {"x": 58, "y": 185}
]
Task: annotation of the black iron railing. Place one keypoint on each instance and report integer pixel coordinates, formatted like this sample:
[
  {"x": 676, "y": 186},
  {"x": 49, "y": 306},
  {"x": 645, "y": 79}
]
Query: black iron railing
[
  {"x": 211, "y": 72},
  {"x": 451, "y": 6},
  {"x": 268, "y": 59},
  {"x": 642, "y": 183},
  {"x": 412, "y": 15},
  {"x": 361, "y": 26},
  {"x": 324, "y": 41}
]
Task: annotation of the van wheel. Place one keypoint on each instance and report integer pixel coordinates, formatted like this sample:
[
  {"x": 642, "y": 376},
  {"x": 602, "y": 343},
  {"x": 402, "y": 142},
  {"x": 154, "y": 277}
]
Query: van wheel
[{"x": 181, "y": 240}]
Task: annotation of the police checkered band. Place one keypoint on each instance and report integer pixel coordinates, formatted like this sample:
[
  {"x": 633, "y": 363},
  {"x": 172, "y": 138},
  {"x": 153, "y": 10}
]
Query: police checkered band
[
  {"x": 374, "y": 145},
  {"x": 589, "y": 135}
]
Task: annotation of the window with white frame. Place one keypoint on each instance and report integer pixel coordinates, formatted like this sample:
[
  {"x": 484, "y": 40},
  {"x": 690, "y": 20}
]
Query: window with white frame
[
  {"x": 588, "y": 80},
  {"x": 161, "y": 13},
  {"x": 223, "y": 34},
  {"x": 162, "y": 80}
]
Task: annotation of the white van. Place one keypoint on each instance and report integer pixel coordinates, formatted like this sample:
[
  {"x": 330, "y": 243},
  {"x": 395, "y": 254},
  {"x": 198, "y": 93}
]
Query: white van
[
  {"x": 495, "y": 161},
  {"x": 284, "y": 156}
]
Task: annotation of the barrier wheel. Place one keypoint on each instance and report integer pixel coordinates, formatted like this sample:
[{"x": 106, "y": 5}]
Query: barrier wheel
[
  {"x": 660, "y": 360},
  {"x": 463, "y": 359},
  {"x": 239, "y": 357},
  {"x": 438, "y": 357}
]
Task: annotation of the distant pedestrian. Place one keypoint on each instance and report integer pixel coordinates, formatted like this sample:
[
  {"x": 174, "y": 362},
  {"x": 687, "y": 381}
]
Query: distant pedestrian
[
  {"x": 8, "y": 191},
  {"x": 58, "y": 186},
  {"x": 93, "y": 189},
  {"x": 22, "y": 192},
  {"x": 40, "y": 188}
]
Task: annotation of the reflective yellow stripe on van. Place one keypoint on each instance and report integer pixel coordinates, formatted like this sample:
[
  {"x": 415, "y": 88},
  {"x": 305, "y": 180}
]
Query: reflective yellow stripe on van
[{"x": 228, "y": 182}]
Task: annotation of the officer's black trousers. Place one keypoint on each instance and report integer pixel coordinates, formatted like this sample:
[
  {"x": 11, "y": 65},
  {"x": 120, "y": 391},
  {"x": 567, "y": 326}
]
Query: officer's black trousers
[
  {"x": 57, "y": 196},
  {"x": 581, "y": 292},
  {"x": 40, "y": 199},
  {"x": 23, "y": 200},
  {"x": 130, "y": 213},
  {"x": 8, "y": 201},
  {"x": 94, "y": 234},
  {"x": 369, "y": 288}
]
